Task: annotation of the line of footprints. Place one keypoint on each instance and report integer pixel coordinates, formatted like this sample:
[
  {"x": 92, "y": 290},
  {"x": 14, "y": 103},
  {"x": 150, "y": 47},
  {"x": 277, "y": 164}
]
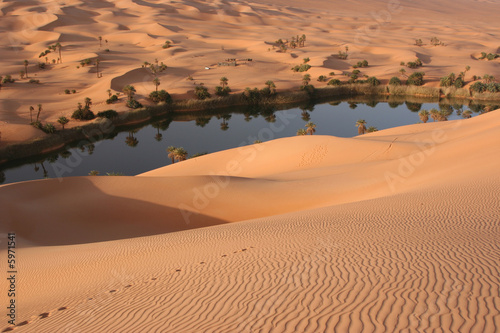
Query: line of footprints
[{"x": 47, "y": 314}]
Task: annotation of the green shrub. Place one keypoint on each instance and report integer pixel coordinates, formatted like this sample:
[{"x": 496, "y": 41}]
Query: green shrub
[
  {"x": 493, "y": 87},
  {"x": 395, "y": 81},
  {"x": 251, "y": 95},
  {"x": 301, "y": 68},
  {"x": 309, "y": 88},
  {"x": 478, "y": 87},
  {"x": 332, "y": 74},
  {"x": 41, "y": 65},
  {"x": 160, "y": 96},
  {"x": 459, "y": 83},
  {"x": 109, "y": 114},
  {"x": 37, "y": 124},
  {"x": 201, "y": 92},
  {"x": 73, "y": 91},
  {"x": 416, "y": 79},
  {"x": 219, "y": 91},
  {"x": 83, "y": 114},
  {"x": 491, "y": 56},
  {"x": 334, "y": 82},
  {"x": 67, "y": 91},
  {"x": 34, "y": 81},
  {"x": 373, "y": 81},
  {"x": 322, "y": 78},
  {"x": 356, "y": 72},
  {"x": 8, "y": 79},
  {"x": 133, "y": 104},
  {"x": 49, "y": 128},
  {"x": 112, "y": 99}
]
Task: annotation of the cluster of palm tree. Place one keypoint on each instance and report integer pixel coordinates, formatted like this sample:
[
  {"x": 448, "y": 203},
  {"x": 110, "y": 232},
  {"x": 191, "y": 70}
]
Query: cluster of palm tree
[
  {"x": 223, "y": 89},
  {"x": 52, "y": 48},
  {"x": 177, "y": 153},
  {"x": 310, "y": 129},
  {"x": 435, "y": 114},
  {"x": 362, "y": 129},
  {"x": 295, "y": 42}
]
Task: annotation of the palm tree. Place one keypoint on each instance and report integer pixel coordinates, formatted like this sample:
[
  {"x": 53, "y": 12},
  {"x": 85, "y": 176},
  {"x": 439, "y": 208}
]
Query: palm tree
[
  {"x": 180, "y": 154},
  {"x": 467, "y": 114},
  {"x": 156, "y": 82},
  {"x": 223, "y": 81},
  {"x": 272, "y": 87},
  {"x": 130, "y": 140},
  {"x": 434, "y": 114},
  {"x": 31, "y": 113},
  {"x": 129, "y": 91},
  {"x": 171, "y": 153},
  {"x": 403, "y": 72},
  {"x": 97, "y": 61},
  {"x": 63, "y": 121},
  {"x": 100, "y": 41},
  {"x": 361, "y": 125},
  {"x": 424, "y": 116},
  {"x": 109, "y": 93},
  {"x": 311, "y": 128},
  {"x": 88, "y": 103},
  {"x": 301, "y": 131},
  {"x": 467, "y": 68},
  {"x": 224, "y": 125},
  {"x": 306, "y": 116},
  {"x": 39, "y": 111},
  {"x": 59, "y": 47},
  {"x": 306, "y": 79},
  {"x": 26, "y": 63}
]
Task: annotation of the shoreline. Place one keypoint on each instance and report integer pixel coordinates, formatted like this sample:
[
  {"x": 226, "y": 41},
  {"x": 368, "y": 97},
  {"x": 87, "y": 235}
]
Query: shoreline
[{"x": 98, "y": 128}]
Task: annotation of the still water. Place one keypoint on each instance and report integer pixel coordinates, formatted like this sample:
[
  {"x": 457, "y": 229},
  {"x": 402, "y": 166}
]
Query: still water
[{"x": 138, "y": 150}]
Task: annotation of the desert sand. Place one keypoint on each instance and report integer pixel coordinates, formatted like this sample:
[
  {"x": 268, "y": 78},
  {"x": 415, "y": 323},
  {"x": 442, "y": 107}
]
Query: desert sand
[
  {"x": 206, "y": 33},
  {"x": 397, "y": 230}
]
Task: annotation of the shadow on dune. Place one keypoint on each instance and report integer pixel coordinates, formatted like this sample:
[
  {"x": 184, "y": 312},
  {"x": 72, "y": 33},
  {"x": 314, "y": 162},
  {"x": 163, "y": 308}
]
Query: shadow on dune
[{"x": 75, "y": 211}]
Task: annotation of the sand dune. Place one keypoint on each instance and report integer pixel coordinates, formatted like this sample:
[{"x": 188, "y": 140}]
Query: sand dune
[
  {"x": 204, "y": 34},
  {"x": 389, "y": 231},
  {"x": 397, "y": 230}
]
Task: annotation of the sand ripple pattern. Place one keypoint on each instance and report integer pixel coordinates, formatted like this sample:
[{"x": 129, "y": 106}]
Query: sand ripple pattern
[{"x": 414, "y": 266}]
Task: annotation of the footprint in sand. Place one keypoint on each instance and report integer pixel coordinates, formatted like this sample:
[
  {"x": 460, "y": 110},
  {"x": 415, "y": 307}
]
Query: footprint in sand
[
  {"x": 43, "y": 315},
  {"x": 62, "y": 308}
]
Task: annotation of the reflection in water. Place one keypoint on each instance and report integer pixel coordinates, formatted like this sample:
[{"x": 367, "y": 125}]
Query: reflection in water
[
  {"x": 334, "y": 118},
  {"x": 224, "y": 125},
  {"x": 306, "y": 116},
  {"x": 131, "y": 140},
  {"x": 413, "y": 107}
]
